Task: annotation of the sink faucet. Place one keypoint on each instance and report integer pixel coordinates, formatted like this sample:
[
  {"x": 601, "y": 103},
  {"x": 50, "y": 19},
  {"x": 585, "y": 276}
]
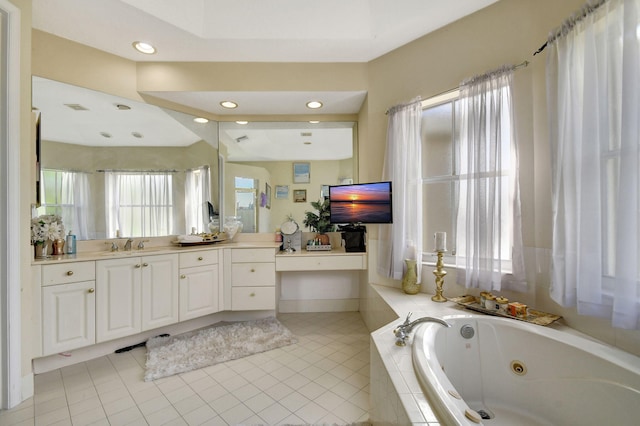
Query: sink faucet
[
  {"x": 127, "y": 245},
  {"x": 403, "y": 330}
]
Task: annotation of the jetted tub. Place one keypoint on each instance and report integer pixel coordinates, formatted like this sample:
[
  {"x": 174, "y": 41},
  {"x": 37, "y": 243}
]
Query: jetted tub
[{"x": 523, "y": 374}]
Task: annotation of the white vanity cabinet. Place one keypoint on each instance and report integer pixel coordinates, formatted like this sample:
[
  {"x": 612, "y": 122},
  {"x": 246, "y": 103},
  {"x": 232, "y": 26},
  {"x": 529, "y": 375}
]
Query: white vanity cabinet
[
  {"x": 200, "y": 283},
  {"x": 135, "y": 294},
  {"x": 253, "y": 279},
  {"x": 68, "y": 306}
]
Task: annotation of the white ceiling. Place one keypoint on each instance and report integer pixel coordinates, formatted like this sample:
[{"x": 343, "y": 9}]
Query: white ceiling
[{"x": 250, "y": 31}]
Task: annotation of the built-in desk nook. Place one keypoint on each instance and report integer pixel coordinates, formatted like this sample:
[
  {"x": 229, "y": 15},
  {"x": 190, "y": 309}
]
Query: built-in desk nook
[{"x": 320, "y": 281}]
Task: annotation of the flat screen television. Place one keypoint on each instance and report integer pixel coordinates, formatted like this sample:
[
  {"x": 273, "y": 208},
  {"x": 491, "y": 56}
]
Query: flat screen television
[{"x": 361, "y": 203}]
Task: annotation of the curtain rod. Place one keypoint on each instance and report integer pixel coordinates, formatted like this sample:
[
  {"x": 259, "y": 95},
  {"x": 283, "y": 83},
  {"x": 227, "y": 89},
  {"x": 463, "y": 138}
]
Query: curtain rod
[
  {"x": 522, "y": 64},
  {"x": 570, "y": 22}
]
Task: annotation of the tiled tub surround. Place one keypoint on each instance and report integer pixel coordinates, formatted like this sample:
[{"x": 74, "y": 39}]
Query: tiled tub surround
[{"x": 396, "y": 394}]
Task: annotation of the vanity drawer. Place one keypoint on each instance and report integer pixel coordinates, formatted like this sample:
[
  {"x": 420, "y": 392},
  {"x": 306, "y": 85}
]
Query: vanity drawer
[
  {"x": 321, "y": 263},
  {"x": 253, "y": 298},
  {"x": 253, "y": 274},
  {"x": 198, "y": 258},
  {"x": 64, "y": 273},
  {"x": 253, "y": 255}
]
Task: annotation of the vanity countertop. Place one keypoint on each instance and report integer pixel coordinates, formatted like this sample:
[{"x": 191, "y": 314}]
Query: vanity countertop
[{"x": 151, "y": 251}]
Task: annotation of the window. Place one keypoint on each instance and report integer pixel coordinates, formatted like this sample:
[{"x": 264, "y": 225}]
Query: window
[
  {"x": 469, "y": 168},
  {"x": 66, "y": 194},
  {"x": 245, "y": 202},
  {"x": 439, "y": 176},
  {"x": 140, "y": 204}
]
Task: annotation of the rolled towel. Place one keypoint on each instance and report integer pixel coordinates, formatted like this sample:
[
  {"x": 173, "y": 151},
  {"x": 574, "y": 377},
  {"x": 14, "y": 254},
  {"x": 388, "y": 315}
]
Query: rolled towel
[{"x": 189, "y": 238}]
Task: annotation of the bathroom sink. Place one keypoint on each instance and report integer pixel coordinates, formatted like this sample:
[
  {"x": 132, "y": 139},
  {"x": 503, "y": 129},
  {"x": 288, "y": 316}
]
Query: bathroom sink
[{"x": 134, "y": 252}]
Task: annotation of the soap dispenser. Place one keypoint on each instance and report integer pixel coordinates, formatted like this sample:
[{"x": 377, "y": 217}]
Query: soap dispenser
[{"x": 71, "y": 243}]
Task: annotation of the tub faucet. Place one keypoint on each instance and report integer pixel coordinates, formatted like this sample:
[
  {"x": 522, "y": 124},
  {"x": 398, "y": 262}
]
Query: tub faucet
[{"x": 403, "y": 330}]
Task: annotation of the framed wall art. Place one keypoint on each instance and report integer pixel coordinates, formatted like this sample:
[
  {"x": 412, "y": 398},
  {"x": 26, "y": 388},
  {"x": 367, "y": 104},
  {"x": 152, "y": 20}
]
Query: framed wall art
[
  {"x": 301, "y": 172},
  {"x": 282, "y": 191},
  {"x": 299, "y": 195}
]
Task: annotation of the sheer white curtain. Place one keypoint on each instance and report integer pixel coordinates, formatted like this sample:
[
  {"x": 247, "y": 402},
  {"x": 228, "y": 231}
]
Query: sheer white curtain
[
  {"x": 139, "y": 204},
  {"x": 402, "y": 165},
  {"x": 197, "y": 195},
  {"x": 593, "y": 78},
  {"x": 66, "y": 193},
  {"x": 489, "y": 237},
  {"x": 76, "y": 194}
]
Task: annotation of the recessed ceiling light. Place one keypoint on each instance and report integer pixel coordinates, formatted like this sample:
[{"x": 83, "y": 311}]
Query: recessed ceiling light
[
  {"x": 123, "y": 107},
  {"x": 229, "y": 104},
  {"x": 242, "y": 122},
  {"x": 314, "y": 121},
  {"x": 144, "y": 47},
  {"x": 105, "y": 135},
  {"x": 137, "y": 135},
  {"x": 314, "y": 104},
  {"x": 200, "y": 120}
]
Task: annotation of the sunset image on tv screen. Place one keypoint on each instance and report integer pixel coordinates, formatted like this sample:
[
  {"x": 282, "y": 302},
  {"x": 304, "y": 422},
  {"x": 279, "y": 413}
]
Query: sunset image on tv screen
[{"x": 361, "y": 203}]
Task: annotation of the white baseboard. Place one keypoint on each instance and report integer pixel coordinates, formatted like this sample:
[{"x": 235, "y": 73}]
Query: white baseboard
[
  {"x": 27, "y": 386},
  {"x": 319, "y": 305}
]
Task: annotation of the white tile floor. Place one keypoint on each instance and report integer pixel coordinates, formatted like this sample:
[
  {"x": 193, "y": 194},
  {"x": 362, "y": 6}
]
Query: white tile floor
[{"x": 322, "y": 379}]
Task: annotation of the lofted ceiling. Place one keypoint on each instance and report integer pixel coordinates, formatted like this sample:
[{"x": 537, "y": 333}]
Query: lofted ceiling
[{"x": 251, "y": 31}]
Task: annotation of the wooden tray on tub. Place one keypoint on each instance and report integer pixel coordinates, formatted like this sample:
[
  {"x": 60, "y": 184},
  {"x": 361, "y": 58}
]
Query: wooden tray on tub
[{"x": 533, "y": 316}]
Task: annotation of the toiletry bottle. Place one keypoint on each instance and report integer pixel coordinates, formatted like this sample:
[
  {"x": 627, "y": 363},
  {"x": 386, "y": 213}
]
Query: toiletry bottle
[{"x": 71, "y": 243}]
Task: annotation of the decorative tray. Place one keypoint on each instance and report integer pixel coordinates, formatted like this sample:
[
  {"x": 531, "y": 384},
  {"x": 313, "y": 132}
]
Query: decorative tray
[
  {"x": 206, "y": 240},
  {"x": 319, "y": 247},
  {"x": 196, "y": 243},
  {"x": 533, "y": 316}
]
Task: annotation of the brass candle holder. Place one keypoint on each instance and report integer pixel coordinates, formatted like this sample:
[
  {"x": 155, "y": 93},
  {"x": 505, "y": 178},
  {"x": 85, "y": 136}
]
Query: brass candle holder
[{"x": 439, "y": 272}]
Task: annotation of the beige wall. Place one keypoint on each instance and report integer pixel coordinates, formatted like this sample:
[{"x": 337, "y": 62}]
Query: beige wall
[{"x": 507, "y": 32}]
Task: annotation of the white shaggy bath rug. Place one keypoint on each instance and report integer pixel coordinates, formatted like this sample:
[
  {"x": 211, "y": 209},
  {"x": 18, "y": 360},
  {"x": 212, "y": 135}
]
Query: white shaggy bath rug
[{"x": 167, "y": 356}]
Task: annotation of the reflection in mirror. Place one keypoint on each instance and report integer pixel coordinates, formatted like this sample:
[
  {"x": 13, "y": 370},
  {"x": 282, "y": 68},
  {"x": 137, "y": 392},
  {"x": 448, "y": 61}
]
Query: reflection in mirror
[
  {"x": 112, "y": 167},
  {"x": 259, "y": 182}
]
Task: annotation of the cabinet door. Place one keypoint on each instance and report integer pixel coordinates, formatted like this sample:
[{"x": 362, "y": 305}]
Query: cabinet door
[
  {"x": 199, "y": 291},
  {"x": 159, "y": 291},
  {"x": 68, "y": 316},
  {"x": 118, "y": 298}
]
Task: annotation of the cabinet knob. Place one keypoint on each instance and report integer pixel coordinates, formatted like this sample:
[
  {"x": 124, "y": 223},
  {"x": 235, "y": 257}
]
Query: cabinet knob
[
  {"x": 145, "y": 264},
  {"x": 253, "y": 270},
  {"x": 183, "y": 276},
  {"x": 199, "y": 257},
  {"x": 69, "y": 273},
  {"x": 138, "y": 265},
  {"x": 91, "y": 290},
  {"x": 252, "y": 294}
]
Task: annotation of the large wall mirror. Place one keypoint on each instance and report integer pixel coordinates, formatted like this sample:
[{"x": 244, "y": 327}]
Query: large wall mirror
[
  {"x": 112, "y": 167},
  {"x": 274, "y": 170}
]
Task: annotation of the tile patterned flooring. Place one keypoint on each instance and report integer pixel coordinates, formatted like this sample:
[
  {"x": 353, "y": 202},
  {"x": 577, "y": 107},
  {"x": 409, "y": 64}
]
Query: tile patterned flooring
[{"x": 322, "y": 379}]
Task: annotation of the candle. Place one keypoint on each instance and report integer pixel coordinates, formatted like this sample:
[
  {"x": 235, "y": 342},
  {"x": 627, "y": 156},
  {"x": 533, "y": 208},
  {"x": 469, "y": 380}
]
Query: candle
[{"x": 441, "y": 241}]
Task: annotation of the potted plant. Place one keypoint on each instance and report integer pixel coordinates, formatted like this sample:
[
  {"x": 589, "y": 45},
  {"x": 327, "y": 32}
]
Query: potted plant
[{"x": 319, "y": 222}]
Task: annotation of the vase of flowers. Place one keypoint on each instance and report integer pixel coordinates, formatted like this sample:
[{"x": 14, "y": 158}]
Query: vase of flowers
[{"x": 44, "y": 229}]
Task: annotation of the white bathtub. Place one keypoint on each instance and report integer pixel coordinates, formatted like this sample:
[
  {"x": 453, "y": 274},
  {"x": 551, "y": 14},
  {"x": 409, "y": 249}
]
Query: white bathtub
[{"x": 524, "y": 374}]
